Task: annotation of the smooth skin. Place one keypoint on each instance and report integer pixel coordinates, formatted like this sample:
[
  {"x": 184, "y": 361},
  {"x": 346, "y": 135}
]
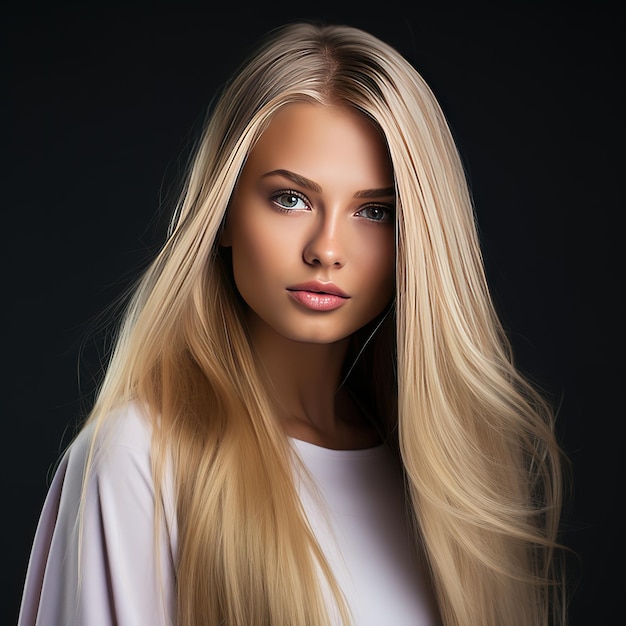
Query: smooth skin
[{"x": 314, "y": 203}]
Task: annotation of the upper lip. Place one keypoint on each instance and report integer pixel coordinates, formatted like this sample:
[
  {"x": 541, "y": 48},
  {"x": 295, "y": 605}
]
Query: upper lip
[{"x": 317, "y": 286}]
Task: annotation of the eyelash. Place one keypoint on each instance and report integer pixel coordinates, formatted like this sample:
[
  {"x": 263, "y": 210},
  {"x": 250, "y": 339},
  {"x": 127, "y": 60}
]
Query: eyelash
[
  {"x": 296, "y": 194},
  {"x": 288, "y": 192}
]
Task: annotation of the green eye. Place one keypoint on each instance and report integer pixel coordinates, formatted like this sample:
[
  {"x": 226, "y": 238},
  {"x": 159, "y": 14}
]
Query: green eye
[
  {"x": 375, "y": 213},
  {"x": 288, "y": 200}
]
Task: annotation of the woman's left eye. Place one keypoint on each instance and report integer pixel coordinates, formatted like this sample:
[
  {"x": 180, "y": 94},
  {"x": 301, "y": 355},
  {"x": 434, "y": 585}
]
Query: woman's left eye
[
  {"x": 375, "y": 213},
  {"x": 289, "y": 201}
]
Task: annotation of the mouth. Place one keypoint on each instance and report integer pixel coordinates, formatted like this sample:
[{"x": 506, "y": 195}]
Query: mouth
[
  {"x": 317, "y": 296},
  {"x": 318, "y": 287}
]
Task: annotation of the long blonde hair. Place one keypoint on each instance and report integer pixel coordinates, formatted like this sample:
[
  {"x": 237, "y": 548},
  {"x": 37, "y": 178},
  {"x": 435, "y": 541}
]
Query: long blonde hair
[{"x": 476, "y": 440}]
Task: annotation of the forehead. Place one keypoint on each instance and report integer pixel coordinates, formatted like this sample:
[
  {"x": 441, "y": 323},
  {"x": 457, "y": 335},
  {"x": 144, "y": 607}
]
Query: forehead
[{"x": 323, "y": 142}]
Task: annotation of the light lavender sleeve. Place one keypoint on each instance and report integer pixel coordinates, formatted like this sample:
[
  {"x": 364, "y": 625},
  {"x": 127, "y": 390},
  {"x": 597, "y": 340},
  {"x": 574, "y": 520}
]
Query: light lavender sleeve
[{"x": 122, "y": 581}]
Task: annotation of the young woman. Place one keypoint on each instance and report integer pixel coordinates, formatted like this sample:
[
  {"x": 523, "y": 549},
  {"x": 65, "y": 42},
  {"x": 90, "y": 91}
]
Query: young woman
[{"x": 311, "y": 415}]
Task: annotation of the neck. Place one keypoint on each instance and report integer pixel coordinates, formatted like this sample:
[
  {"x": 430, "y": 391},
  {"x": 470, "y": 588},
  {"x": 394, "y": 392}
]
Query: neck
[{"x": 304, "y": 380}]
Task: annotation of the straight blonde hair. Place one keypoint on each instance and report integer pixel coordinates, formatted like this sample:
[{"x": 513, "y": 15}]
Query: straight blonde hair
[{"x": 475, "y": 439}]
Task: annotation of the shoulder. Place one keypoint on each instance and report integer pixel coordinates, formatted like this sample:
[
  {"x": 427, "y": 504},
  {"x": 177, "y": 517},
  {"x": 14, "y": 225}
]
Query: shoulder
[
  {"x": 109, "y": 468},
  {"x": 97, "y": 530},
  {"x": 122, "y": 433},
  {"x": 111, "y": 459}
]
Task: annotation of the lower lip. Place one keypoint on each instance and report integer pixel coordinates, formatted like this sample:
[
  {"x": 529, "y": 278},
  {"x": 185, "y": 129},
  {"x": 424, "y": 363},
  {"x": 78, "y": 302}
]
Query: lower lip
[{"x": 318, "y": 301}]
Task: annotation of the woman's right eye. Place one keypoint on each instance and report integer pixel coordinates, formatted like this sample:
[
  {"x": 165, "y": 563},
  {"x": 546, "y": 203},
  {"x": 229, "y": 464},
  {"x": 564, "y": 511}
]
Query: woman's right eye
[{"x": 290, "y": 201}]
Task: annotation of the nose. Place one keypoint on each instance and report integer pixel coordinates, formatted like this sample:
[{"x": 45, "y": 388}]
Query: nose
[{"x": 325, "y": 246}]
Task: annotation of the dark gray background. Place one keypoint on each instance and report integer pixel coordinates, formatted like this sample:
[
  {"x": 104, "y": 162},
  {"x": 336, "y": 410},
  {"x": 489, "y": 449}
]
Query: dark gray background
[{"x": 101, "y": 107}]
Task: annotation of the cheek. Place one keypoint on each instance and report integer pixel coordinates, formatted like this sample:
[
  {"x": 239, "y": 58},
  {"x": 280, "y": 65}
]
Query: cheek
[
  {"x": 378, "y": 261},
  {"x": 257, "y": 250}
]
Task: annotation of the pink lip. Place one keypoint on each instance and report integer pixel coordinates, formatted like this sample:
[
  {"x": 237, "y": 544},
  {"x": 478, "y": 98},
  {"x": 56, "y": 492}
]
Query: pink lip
[
  {"x": 318, "y": 296},
  {"x": 317, "y": 286}
]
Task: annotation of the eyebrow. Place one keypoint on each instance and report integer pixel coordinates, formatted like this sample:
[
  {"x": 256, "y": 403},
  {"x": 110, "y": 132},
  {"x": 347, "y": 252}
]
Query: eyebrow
[{"x": 313, "y": 186}]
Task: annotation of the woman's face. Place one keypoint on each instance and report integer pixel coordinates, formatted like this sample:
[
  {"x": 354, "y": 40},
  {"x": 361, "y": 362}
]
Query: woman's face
[{"x": 311, "y": 225}]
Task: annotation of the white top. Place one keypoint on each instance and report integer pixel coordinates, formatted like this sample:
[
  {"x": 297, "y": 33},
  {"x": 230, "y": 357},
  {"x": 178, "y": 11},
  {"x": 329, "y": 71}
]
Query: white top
[
  {"x": 356, "y": 507},
  {"x": 120, "y": 581}
]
